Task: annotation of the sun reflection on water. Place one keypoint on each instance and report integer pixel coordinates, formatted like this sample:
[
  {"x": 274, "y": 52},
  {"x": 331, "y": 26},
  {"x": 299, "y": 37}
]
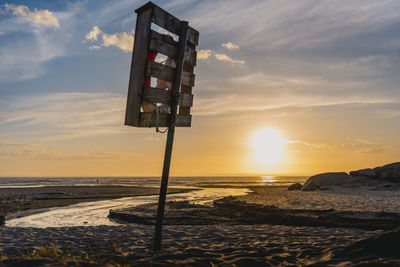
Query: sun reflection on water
[{"x": 268, "y": 179}]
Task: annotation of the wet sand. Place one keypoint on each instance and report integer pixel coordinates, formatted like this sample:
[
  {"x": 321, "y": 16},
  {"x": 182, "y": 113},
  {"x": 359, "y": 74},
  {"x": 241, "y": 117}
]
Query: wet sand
[{"x": 13, "y": 200}]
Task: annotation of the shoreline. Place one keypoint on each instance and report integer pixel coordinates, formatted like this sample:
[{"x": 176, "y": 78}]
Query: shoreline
[{"x": 16, "y": 200}]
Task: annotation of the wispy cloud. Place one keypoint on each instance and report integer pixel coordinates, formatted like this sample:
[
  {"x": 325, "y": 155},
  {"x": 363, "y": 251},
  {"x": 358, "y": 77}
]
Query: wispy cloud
[
  {"x": 36, "y": 37},
  {"x": 39, "y": 152},
  {"x": 43, "y": 17},
  {"x": 122, "y": 40},
  {"x": 67, "y": 115},
  {"x": 223, "y": 57},
  {"x": 94, "y": 47},
  {"x": 357, "y": 146},
  {"x": 230, "y": 46},
  {"x": 10, "y": 143},
  {"x": 204, "y": 54}
]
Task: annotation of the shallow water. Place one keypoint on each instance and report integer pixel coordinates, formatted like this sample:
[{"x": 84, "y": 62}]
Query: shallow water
[{"x": 95, "y": 213}]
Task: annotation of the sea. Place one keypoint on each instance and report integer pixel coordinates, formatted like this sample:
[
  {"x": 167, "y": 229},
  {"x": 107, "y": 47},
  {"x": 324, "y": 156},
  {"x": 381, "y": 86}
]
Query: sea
[
  {"x": 178, "y": 181},
  {"x": 95, "y": 213}
]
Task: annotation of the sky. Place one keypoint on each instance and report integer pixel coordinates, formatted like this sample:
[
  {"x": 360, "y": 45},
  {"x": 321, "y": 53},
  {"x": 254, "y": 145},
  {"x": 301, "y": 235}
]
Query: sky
[{"x": 322, "y": 75}]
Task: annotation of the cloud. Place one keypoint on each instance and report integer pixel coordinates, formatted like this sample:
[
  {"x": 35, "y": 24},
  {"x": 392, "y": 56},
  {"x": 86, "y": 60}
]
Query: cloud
[
  {"x": 203, "y": 54},
  {"x": 27, "y": 47},
  {"x": 122, "y": 40},
  {"x": 39, "y": 152},
  {"x": 358, "y": 146},
  {"x": 60, "y": 116},
  {"x": 93, "y": 34},
  {"x": 279, "y": 95},
  {"x": 375, "y": 150},
  {"x": 230, "y": 46},
  {"x": 9, "y": 143},
  {"x": 223, "y": 57},
  {"x": 94, "y": 47},
  {"x": 43, "y": 17}
]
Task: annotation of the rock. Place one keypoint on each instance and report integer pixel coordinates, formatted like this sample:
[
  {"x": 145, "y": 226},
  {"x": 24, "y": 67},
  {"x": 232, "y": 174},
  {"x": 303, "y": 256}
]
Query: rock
[
  {"x": 2, "y": 220},
  {"x": 389, "y": 172},
  {"x": 364, "y": 172},
  {"x": 310, "y": 187},
  {"x": 326, "y": 179},
  {"x": 385, "y": 244},
  {"x": 295, "y": 186}
]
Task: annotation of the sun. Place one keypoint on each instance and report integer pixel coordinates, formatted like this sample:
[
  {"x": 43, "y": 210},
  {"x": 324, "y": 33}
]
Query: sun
[{"x": 268, "y": 145}]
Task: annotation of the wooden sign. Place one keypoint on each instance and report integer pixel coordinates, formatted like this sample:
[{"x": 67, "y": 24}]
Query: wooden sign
[
  {"x": 157, "y": 105},
  {"x": 149, "y": 42}
]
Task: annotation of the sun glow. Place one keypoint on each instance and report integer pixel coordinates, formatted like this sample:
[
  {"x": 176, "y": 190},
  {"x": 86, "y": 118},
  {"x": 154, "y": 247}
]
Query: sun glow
[{"x": 268, "y": 146}]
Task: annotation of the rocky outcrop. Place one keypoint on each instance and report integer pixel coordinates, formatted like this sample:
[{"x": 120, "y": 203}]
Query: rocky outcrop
[
  {"x": 389, "y": 172},
  {"x": 386, "y": 176},
  {"x": 364, "y": 172},
  {"x": 326, "y": 179},
  {"x": 295, "y": 186}
]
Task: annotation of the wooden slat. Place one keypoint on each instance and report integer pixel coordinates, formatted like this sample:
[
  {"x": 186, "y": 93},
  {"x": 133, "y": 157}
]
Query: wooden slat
[
  {"x": 193, "y": 36},
  {"x": 190, "y": 56},
  {"x": 139, "y": 57},
  {"x": 164, "y": 72},
  {"x": 188, "y": 78},
  {"x": 148, "y": 119},
  {"x": 159, "y": 95},
  {"x": 169, "y": 22},
  {"x": 156, "y": 95},
  {"x": 185, "y": 100},
  {"x": 159, "y": 71},
  {"x": 183, "y": 110},
  {"x": 160, "y": 43}
]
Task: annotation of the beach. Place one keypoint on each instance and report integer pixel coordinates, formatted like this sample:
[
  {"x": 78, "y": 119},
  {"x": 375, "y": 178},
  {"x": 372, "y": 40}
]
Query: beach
[{"x": 203, "y": 236}]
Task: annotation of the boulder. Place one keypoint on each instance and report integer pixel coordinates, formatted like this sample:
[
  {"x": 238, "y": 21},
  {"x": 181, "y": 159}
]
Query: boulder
[
  {"x": 295, "y": 186},
  {"x": 326, "y": 179},
  {"x": 310, "y": 187},
  {"x": 389, "y": 172},
  {"x": 364, "y": 172},
  {"x": 384, "y": 244}
]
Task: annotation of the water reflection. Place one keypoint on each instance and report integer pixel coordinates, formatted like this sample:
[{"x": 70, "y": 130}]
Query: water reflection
[
  {"x": 268, "y": 179},
  {"x": 95, "y": 213}
]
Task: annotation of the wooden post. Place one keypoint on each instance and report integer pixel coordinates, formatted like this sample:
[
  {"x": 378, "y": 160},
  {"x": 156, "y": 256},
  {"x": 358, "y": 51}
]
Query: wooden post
[{"x": 176, "y": 84}]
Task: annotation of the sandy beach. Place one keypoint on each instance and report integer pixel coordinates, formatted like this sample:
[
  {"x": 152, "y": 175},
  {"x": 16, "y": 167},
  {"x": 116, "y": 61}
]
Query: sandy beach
[
  {"x": 261, "y": 245},
  {"x": 220, "y": 243}
]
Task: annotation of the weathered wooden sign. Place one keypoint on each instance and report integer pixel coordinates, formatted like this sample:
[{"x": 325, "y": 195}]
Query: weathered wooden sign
[
  {"x": 148, "y": 45},
  {"x": 157, "y": 88}
]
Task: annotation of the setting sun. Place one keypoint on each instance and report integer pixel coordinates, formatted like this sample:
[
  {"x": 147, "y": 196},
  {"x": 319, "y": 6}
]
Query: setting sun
[{"x": 268, "y": 146}]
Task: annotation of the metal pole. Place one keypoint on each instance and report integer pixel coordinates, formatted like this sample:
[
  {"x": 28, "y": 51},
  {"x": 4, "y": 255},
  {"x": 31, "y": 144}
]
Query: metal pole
[{"x": 176, "y": 84}]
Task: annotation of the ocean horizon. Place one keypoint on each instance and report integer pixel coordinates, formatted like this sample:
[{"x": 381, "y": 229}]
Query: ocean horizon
[{"x": 153, "y": 181}]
